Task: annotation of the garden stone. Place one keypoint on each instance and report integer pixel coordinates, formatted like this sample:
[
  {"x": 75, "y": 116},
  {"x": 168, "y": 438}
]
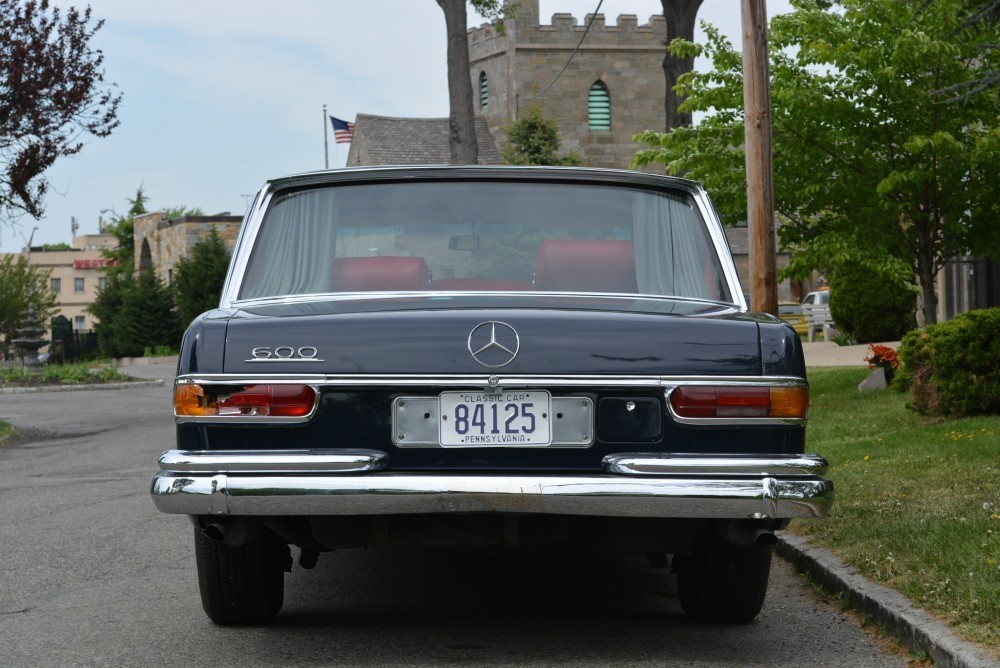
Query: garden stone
[{"x": 874, "y": 381}]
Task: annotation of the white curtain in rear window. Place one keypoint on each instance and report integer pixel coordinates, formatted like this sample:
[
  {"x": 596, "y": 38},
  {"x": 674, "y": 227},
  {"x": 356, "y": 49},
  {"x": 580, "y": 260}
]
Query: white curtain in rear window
[
  {"x": 672, "y": 251},
  {"x": 294, "y": 253}
]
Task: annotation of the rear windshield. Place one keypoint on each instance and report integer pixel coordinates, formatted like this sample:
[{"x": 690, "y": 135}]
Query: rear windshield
[{"x": 484, "y": 236}]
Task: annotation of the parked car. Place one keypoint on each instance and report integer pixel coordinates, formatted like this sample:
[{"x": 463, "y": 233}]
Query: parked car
[
  {"x": 487, "y": 355},
  {"x": 817, "y": 297},
  {"x": 791, "y": 312}
]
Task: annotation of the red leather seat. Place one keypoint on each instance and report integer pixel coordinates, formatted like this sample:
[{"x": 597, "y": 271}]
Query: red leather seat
[
  {"x": 585, "y": 265},
  {"x": 380, "y": 273}
]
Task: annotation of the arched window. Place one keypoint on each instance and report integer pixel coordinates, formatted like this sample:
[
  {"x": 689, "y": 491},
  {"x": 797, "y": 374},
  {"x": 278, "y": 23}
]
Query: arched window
[
  {"x": 599, "y": 106},
  {"x": 484, "y": 92},
  {"x": 145, "y": 256}
]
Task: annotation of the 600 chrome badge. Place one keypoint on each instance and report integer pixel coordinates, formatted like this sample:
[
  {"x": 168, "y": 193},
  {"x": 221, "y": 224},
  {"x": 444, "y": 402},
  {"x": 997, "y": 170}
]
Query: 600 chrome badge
[{"x": 284, "y": 354}]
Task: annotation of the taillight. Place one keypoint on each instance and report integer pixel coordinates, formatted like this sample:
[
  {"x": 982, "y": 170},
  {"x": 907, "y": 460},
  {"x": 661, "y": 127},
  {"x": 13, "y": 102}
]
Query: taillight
[
  {"x": 244, "y": 401},
  {"x": 722, "y": 401}
]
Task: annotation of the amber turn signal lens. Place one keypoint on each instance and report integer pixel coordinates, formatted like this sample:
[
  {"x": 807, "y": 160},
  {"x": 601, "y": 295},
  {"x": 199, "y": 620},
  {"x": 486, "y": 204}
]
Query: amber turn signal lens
[
  {"x": 789, "y": 402},
  {"x": 191, "y": 401}
]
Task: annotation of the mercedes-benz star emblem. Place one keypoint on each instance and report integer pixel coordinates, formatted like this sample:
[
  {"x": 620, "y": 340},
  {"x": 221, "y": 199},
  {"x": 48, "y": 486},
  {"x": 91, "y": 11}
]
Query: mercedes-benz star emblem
[{"x": 494, "y": 344}]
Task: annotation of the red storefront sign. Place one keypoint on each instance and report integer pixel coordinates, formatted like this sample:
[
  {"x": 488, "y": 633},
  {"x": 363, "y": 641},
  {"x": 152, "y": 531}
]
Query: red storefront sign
[{"x": 97, "y": 263}]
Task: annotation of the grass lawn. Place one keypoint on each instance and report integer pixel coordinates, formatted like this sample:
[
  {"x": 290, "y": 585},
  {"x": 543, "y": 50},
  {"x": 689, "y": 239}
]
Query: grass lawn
[{"x": 917, "y": 500}]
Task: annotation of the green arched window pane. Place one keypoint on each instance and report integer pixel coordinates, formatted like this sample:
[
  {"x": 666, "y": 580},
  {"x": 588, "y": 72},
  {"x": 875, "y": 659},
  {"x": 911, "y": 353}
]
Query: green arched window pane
[{"x": 599, "y": 106}]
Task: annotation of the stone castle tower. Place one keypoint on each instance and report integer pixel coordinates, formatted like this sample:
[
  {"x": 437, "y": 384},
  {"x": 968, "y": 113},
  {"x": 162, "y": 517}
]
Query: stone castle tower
[{"x": 612, "y": 88}]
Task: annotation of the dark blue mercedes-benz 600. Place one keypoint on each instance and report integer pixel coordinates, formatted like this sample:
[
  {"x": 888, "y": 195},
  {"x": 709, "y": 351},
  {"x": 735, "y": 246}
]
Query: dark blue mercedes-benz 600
[{"x": 487, "y": 355}]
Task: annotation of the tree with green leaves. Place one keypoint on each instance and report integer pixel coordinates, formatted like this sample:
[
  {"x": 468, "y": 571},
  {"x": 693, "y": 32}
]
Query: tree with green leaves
[
  {"x": 52, "y": 95},
  {"x": 534, "y": 140},
  {"x": 122, "y": 330},
  {"x": 119, "y": 276},
  {"x": 22, "y": 284},
  {"x": 198, "y": 278},
  {"x": 121, "y": 258},
  {"x": 147, "y": 319},
  {"x": 872, "y": 165}
]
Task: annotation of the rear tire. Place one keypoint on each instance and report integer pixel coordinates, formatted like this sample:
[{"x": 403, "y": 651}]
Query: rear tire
[
  {"x": 241, "y": 585},
  {"x": 722, "y": 582}
]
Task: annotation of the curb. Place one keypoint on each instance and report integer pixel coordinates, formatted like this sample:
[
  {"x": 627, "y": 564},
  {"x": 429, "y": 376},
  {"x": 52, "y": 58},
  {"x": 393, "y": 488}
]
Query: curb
[
  {"x": 72, "y": 388},
  {"x": 144, "y": 361},
  {"x": 917, "y": 629}
]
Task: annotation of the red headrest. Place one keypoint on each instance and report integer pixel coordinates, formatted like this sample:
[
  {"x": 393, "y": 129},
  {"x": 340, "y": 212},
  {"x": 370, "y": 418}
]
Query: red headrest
[
  {"x": 585, "y": 265},
  {"x": 380, "y": 273}
]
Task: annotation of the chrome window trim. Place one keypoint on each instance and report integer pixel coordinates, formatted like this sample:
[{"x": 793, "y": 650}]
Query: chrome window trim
[
  {"x": 244, "y": 246},
  {"x": 253, "y": 219},
  {"x": 721, "y": 243},
  {"x": 249, "y": 419},
  {"x": 437, "y": 294}
]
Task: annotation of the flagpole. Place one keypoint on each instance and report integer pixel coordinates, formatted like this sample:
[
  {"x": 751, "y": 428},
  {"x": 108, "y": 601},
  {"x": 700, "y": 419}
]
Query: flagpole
[{"x": 326, "y": 144}]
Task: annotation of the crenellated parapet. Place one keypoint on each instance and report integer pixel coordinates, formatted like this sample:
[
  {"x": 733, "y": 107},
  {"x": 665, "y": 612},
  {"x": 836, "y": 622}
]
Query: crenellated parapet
[
  {"x": 526, "y": 28},
  {"x": 486, "y": 39}
]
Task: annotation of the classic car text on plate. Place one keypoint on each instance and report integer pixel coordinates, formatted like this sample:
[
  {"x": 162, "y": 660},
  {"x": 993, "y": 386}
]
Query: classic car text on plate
[{"x": 472, "y": 418}]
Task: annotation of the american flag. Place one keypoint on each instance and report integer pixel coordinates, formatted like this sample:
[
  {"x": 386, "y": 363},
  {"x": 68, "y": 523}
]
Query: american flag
[{"x": 343, "y": 132}]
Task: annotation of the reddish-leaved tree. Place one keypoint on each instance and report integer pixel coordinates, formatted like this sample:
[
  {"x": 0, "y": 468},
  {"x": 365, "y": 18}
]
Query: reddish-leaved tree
[{"x": 52, "y": 95}]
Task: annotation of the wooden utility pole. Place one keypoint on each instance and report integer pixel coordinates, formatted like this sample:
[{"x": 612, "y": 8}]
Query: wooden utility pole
[{"x": 760, "y": 188}]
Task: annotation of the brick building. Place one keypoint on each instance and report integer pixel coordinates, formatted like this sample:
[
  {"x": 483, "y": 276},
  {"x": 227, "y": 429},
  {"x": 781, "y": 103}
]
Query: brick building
[{"x": 75, "y": 275}]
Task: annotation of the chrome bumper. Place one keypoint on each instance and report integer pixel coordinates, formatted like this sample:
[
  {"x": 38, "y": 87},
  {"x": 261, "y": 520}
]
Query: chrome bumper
[{"x": 355, "y": 482}]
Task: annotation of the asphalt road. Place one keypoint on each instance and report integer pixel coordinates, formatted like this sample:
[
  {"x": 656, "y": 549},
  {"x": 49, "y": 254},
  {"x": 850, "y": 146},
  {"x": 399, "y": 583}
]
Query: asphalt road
[{"x": 92, "y": 575}]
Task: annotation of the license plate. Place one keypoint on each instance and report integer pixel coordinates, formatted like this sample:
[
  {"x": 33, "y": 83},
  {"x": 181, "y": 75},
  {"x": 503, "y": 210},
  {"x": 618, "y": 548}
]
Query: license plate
[{"x": 503, "y": 419}]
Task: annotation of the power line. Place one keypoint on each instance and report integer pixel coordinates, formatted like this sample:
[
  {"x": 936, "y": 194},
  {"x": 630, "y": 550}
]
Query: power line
[{"x": 586, "y": 30}]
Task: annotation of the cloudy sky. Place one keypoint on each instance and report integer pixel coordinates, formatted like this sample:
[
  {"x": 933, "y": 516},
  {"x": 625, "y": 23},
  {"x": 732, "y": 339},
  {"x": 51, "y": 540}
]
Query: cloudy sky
[{"x": 220, "y": 95}]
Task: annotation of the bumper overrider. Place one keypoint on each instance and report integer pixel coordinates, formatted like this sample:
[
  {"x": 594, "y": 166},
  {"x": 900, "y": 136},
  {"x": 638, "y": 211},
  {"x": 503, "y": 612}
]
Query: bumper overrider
[{"x": 356, "y": 482}]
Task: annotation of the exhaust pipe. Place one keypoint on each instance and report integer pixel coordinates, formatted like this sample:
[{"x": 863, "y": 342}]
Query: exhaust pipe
[
  {"x": 233, "y": 532},
  {"x": 764, "y": 538},
  {"x": 744, "y": 534},
  {"x": 215, "y": 531}
]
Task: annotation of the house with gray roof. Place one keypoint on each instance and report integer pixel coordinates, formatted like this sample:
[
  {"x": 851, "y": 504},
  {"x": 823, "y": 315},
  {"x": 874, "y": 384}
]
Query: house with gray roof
[{"x": 387, "y": 140}]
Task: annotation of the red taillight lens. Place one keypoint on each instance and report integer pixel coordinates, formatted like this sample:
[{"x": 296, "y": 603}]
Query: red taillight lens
[
  {"x": 708, "y": 401},
  {"x": 248, "y": 401}
]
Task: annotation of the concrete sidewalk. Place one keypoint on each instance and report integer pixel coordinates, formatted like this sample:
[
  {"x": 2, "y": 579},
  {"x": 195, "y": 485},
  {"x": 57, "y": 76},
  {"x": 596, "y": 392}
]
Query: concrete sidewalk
[{"x": 823, "y": 353}]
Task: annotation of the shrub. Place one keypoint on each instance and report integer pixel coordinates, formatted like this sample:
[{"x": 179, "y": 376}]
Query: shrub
[
  {"x": 146, "y": 317},
  {"x": 868, "y": 306},
  {"x": 199, "y": 278},
  {"x": 953, "y": 368},
  {"x": 534, "y": 140}
]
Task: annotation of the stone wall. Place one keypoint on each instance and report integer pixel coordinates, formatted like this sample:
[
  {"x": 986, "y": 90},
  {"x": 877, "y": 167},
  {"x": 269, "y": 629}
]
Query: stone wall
[
  {"x": 522, "y": 62},
  {"x": 161, "y": 243}
]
